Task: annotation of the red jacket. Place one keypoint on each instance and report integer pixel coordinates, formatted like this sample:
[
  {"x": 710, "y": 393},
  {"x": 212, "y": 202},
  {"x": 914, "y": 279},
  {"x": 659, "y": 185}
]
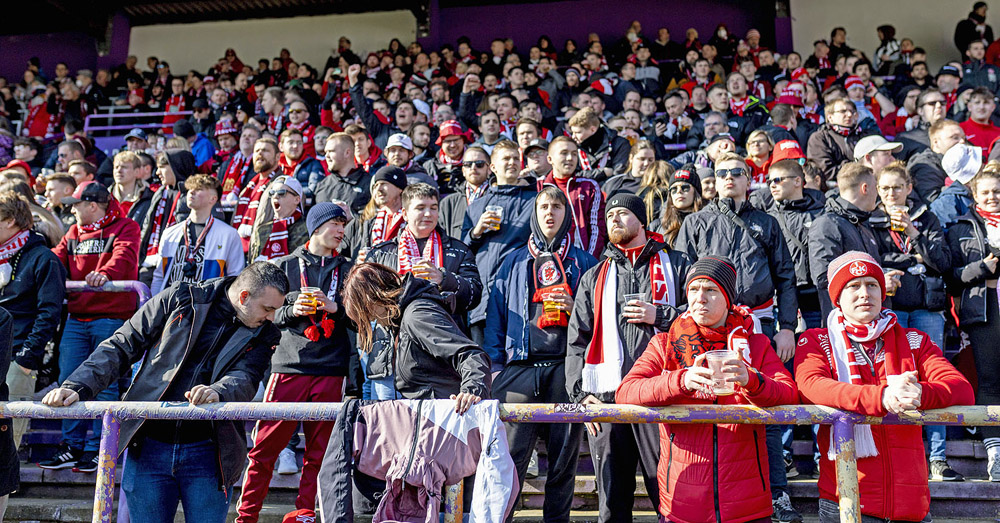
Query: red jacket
[
  {"x": 733, "y": 486},
  {"x": 980, "y": 135},
  {"x": 112, "y": 251},
  {"x": 587, "y": 202},
  {"x": 893, "y": 484}
]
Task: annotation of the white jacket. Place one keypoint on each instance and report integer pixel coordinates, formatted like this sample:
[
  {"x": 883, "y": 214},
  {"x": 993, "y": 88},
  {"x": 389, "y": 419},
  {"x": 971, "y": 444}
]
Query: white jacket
[{"x": 223, "y": 254}]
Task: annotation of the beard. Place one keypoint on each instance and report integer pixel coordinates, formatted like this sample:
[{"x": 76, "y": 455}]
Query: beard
[
  {"x": 622, "y": 236},
  {"x": 261, "y": 165}
]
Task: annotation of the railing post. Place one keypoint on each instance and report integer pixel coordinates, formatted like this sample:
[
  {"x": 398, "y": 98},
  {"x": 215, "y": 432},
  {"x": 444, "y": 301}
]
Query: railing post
[
  {"x": 104, "y": 494},
  {"x": 453, "y": 502},
  {"x": 847, "y": 470}
]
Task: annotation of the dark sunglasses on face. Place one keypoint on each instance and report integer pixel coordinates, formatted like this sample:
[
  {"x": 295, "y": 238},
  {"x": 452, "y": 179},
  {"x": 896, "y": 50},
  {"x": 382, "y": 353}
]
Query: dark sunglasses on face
[
  {"x": 296, "y": 111},
  {"x": 681, "y": 189},
  {"x": 478, "y": 164},
  {"x": 279, "y": 192},
  {"x": 779, "y": 179},
  {"x": 727, "y": 173}
]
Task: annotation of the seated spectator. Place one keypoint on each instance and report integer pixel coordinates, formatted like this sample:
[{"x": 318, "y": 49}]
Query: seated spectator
[
  {"x": 673, "y": 370},
  {"x": 833, "y": 144},
  {"x": 865, "y": 362},
  {"x": 286, "y": 231},
  {"x": 925, "y": 167},
  {"x": 600, "y": 147}
]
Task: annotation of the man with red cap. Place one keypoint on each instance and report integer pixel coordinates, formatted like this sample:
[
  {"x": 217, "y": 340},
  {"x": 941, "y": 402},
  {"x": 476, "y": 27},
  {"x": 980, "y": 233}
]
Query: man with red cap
[
  {"x": 446, "y": 166},
  {"x": 864, "y": 362},
  {"x": 673, "y": 370}
]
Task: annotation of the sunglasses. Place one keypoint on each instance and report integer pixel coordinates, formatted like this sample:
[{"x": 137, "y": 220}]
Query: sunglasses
[
  {"x": 681, "y": 189},
  {"x": 279, "y": 192},
  {"x": 730, "y": 173},
  {"x": 779, "y": 179},
  {"x": 935, "y": 102},
  {"x": 478, "y": 164},
  {"x": 296, "y": 111}
]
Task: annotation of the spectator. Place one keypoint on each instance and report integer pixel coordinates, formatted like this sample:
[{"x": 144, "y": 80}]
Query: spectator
[
  {"x": 640, "y": 159},
  {"x": 201, "y": 146},
  {"x": 976, "y": 72},
  {"x": 587, "y": 233},
  {"x": 310, "y": 364},
  {"x": 103, "y": 246},
  {"x": 888, "y": 50},
  {"x": 195, "y": 462},
  {"x": 973, "y": 241},
  {"x": 272, "y": 103},
  {"x": 913, "y": 375},
  {"x": 476, "y": 172},
  {"x": 11, "y": 467},
  {"x": 286, "y": 231},
  {"x": 685, "y": 199},
  {"x": 82, "y": 171},
  {"x": 347, "y": 181},
  {"x": 32, "y": 291},
  {"x": 167, "y": 207},
  {"x": 382, "y": 216},
  {"x": 759, "y": 148},
  {"x": 294, "y": 162},
  {"x": 254, "y": 204},
  {"x": 833, "y": 144},
  {"x": 875, "y": 152},
  {"x": 974, "y": 28},
  {"x": 960, "y": 163},
  {"x": 925, "y": 167},
  {"x": 399, "y": 152},
  {"x": 600, "y": 147},
  {"x": 298, "y": 118},
  {"x": 210, "y": 248},
  {"x": 57, "y": 187},
  {"x": 979, "y": 129},
  {"x": 237, "y": 170},
  {"x": 446, "y": 165},
  {"x": 672, "y": 370},
  {"x": 132, "y": 193},
  {"x": 529, "y": 345},
  {"x": 931, "y": 106}
]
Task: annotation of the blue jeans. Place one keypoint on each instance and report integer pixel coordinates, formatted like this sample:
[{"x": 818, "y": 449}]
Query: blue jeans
[
  {"x": 79, "y": 340},
  {"x": 161, "y": 474},
  {"x": 376, "y": 388},
  {"x": 932, "y": 324}
]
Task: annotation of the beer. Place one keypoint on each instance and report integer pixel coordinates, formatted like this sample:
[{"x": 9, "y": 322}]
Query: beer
[
  {"x": 551, "y": 308},
  {"x": 310, "y": 298},
  {"x": 497, "y": 212},
  {"x": 894, "y": 212},
  {"x": 716, "y": 360}
]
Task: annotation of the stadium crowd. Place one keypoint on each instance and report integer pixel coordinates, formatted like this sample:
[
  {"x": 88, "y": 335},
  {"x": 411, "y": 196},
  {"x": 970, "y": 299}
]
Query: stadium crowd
[{"x": 581, "y": 223}]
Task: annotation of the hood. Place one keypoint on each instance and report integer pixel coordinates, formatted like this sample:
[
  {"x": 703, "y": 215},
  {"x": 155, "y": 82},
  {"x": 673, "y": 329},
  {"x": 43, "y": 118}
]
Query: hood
[
  {"x": 206, "y": 291},
  {"x": 417, "y": 288},
  {"x": 536, "y": 228},
  {"x": 183, "y": 164},
  {"x": 596, "y": 140},
  {"x": 811, "y": 199},
  {"x": 847, "y": 209}
]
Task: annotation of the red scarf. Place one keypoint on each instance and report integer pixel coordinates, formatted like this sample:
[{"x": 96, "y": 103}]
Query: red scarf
[
  {"x": 10, "y": 247},
  {"x": 408, "y": 251},
  {"x": 445, "y": 159},
  {"x": 113, "y": 213},
  {"x": 374, "y": 153},
  {"x": 992, "y": 219},
  {"x": 236, "y": 169},
  {"x": 157, "y": 226},
  {"x": 277, "y": 242},
  {"x": 385, "y": 225},
  {"x": 249, "y": 203},
  {"x": 471, "y": 193},
  {"x": 688, "y": 340},
  {"x": 824, "y": 63},
  {"x": 950, "y": 99},
  {"x": 738, "y": 106},
  {"x": 549, "y": 276},
  {"x": 276, "y": 124},
  {"x": 842, "y": 130},
  {"x": 326, "y": 324}
]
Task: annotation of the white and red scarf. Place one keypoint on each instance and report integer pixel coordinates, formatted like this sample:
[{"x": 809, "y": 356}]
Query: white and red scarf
[
  {"x": 8, "y": 250},
  {"x": 847, "y": 361},
  {"x": 992, "y": 220},
  {"x": 113, "y": 213},
  {"x": 447, "y": 160},
  {"x": 277, "y": 242},
  {"x": 472, "y": 193},
  {"x": 408, "y": 250},
  {"x": 738, "y": 106},
  {"x": 385, "y": 224},
  {"x": 157, "y": 225},
  {"x": 249, "y": 203},
  {"x": 549, "y": 276},
  {"x": 276, "y": 124},
  {"x": 374, "y": 153},
  {"x": 236, "y": 170},
  {"x": 602, "y": 370}
]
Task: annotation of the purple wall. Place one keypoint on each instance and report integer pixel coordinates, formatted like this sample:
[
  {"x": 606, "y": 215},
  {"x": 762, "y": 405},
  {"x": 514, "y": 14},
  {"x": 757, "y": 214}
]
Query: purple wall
[
  {"x": 576, "y": 18},
  {"x": 77, "y": 49}
]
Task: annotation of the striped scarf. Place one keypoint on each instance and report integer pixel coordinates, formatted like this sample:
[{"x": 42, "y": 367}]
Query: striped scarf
[
  {"x": 236, "y": 169},
  {"x": 385, "y": 225},
  {"x": 408, "y": 250},
  {"x": 157, "y": 226},
  {"x": 472, "y": 193},
  {"x": 277, "y": 242},
  {"x": 249, "y": 203}
]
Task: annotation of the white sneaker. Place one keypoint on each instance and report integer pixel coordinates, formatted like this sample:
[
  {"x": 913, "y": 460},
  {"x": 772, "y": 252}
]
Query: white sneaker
[
  {"x": 993, "y": 464},
  {"x": 532, "y": 471},
  {"x": 286, "y": 462}
]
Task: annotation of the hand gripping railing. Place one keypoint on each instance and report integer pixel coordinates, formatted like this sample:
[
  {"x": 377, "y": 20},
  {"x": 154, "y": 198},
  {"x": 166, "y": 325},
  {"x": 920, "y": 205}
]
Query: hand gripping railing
[
  {"x": 113, "y": 286},
  {"x": 843, "y": 428}
]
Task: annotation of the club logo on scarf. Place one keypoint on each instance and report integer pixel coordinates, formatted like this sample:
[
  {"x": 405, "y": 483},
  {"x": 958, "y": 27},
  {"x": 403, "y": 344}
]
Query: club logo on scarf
[
  {"x": 548, "y": 273},
  {"x": 858, "y": 269}
]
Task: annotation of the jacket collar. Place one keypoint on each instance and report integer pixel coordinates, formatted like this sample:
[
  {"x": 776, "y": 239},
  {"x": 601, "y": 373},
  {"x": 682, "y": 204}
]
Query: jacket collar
[
  {"x": 847, "y": 209},
  {"x": 652, "y": 247}
]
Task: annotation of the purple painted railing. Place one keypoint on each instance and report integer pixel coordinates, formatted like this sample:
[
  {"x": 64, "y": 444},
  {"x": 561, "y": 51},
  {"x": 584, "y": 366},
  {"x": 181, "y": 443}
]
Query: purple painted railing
[
  {"x": 113, "y": 286},
  {"x": 843, "y": 423}
]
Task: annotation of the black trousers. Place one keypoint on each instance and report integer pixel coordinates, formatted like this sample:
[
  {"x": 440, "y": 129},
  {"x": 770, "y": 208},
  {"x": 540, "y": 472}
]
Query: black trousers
[
  {"x": 617, "y": 450},
  {"x": 983, "y": 338},
  {"x": 542, "y": 383}
]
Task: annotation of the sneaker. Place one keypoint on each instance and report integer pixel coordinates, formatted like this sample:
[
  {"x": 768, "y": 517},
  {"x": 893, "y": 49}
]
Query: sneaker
[
  {"x": 66, "y": 458},
  {"x": 532, "y": 471},
  {"x": 286, "y": 462},
  {"x": 87, "y": 462},
  {"x": 993, "y": 464},
  {"x": 783, "y": 510},
  {"x": 790, "y": 470},
  {"x": 940, "y": 471}
]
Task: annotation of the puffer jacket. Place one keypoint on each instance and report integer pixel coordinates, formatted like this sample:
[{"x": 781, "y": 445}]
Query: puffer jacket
[
  {"x": 754, "y": 116},
  {"x": 922, "y": 284},
  {"x": 954, "y": 201},
  {"x": 842, "y": 227},
  {"x": 604, "y": 149},
  {"x": 893, "y": 484},
  {"x": 448, "y": 177},
  {"x": 968, "y": 275},
  {"x": 709, "y": 472}
]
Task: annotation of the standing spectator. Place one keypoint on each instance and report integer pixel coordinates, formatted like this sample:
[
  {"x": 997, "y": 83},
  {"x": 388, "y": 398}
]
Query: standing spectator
[
  {"x": 587, "y": 205},
  {"x": 200, "y": 247},
  {"x": 528, "y": 345},
  {"x": 294, "y": 162},
  {"x": 254, "y": 204},
  {"x": 132, "y": 193},
  {"x": 11, "y": 466},
  {"x": 348, "y": 181},
  {"x": 476, "y": 173},
  {"x": 33, "y": 287},
  {"x": 399, "y": 152},
  {"x": 931, "y": 107},
  {"x": 298, "y": 119},
  {"x": 960, "y": 163},
  {"x": 925, "y": 167},
  {"x": 103, "y": 246},
  {"x": 600, "y": 147},
  {"x": 57, "y": 187},
  {"x": 672, "y": 371},
  {"x": 378, "y": 125},
  {"x": 311, "y": 362},
  {"x": 272, "y": 103},
  {"x": 864, "y": 362},
  {"x": 875, "y": 152},
  {"x": 973, "y": 28},
  {"x": 888, "y": 49},
  {"x": 685, "y": 199},
  {"x": 608, "y": 333},
  {"x": 382, "y": 216},
  {"x": 200, "y": 144},
  {"x": 979, "y": 129},
  {"x": 287, "y": 230},
  {"x": 167, "y": 207},
  {"x": 237, "y": 170},
  {"x": 974, "y": 242},
  {"x": 833, "y": 144},
  {"x": 194, "y": 462}
]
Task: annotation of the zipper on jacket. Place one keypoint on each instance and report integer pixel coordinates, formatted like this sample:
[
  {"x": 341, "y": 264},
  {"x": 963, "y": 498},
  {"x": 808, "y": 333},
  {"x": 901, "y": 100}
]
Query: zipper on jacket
[
  {"x": 416, "y": 436},
  {"x": 715, "y": 471},
  {"x": 670, "y": 459},
  {"x": 760, "y": 471}
]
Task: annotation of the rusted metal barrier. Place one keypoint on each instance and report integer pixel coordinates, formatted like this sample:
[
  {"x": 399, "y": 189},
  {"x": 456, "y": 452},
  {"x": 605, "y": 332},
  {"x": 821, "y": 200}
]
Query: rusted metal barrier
[{"x": 113, "y": 412}]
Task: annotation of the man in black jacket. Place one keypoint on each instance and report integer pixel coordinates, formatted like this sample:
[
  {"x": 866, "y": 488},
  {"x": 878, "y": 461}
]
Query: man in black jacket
[
  {"x": 312, "y": 361},
  {"x": 600, "y": 147},
  {"x": 476, "y": 171},
  {"x": 926, "y": 168},
  {"x": 32, "y": 288},
  {"x": 833, "y": 144},
  {"x": 606, "y": 335},
  {"x": 931, "y": 107},
  {"x": 347, "y": 182},
  {"x": 10, "y": 465},
  {"x": 229, "y": 321}
]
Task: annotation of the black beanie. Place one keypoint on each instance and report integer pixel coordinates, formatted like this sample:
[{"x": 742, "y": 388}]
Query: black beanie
[
  {"x": 628, "y": 201},
  {"x": 720, "y": 270},
  {"x": 390, "y": 174},
  {"x": 687, "y": 173}
]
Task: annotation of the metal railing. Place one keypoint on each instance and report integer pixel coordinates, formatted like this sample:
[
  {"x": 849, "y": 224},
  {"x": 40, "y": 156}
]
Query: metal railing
[
  {"x": 88, "y": 127},
  {"x": 113, "y": 412},
  {"x": 113, "y": 286}
]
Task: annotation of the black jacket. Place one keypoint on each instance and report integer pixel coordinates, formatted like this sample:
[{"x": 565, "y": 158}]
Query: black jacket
[
  {"x": 968, "y": 275},
  {"x": 634, "y": 336},
  {"x": 842, "y": 227},
  {"x": 604, "y": 149},
  {"x": 161, "y": 334},
  {"x": 434, "y": 359},
  {"x": 927, "y": 173},
  {"x": 451, "y": 211},
  {"x": 448, "y": 177},
  {"x": 140, "y": 208},
  {"x": 10, "y": 464},
  {"x": 795, "y": 218},
  {"x": 763, "y": 264},
  {"x": 353, "y": 189},
  {"x": 296, "y": 354},
  {"x": 378, "y": 129},
  {"x": 922, "y": 284},
  {"x": 830, "y": 149},
  {"x": 34, "y": 299},
  {"x": 754, "y": 116}
]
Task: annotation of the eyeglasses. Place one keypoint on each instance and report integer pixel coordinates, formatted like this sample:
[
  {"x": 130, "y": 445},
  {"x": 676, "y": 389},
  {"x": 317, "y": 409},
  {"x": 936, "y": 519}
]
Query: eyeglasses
[
  {"x": 279, "y": 192},
  {"x": 296, "y": 111},
  {"x": 779, "y": 179},
  {"x": 935, "y": 102},
  {"x": 681, "y": 188},
  {"x": 846, "y": 111},
  {"x": 478, "y": 164},
  {"x": 730, "y": 173},
  {"x": 891, "y": 188}
]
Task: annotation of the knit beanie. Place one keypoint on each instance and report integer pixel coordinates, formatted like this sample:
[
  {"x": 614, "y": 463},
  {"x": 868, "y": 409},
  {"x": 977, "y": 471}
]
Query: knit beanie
[
  {"x": 302, "y": 515},
  {"x": 322, "y": 213},
  {"x": 628, "y": 201},
  {"x": 687, "y": 173},
  {"x": 717, "y": 269},
  {"x": 390, "y": 174},
  {"x": 851, "y": 265}
]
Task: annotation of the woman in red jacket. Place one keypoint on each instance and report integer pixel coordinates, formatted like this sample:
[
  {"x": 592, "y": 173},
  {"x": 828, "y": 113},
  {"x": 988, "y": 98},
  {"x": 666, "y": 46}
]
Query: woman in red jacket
[
  {"x": 711, "y": 472},
  {"x": 864, "y": 362}
]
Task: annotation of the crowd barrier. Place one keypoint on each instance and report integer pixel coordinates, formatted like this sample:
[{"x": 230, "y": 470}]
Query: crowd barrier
[{"x": 113, "y": 412}]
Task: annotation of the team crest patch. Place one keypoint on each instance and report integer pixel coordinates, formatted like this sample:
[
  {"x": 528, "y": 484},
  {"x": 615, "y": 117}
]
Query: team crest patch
[
  {"x": 548, "y": 273},
  {"x": 858, "y": 269}
]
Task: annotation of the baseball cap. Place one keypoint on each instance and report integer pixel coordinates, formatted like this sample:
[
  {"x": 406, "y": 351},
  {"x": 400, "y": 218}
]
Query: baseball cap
[
  {"x": 399, "y": 140},
  {"x": 537, "y": 143},
  {"x": 950, "y": 70},
  {"x": 722, "y": 136},
  {"x": 200, "y": 103},
  {"x": 88, "y": 192},
  {"x": 870, "y": 144},
  {"x": 786, "y": 150},
  {"x": 289, "y": 181},
  {"x": 137, "y": 133}
]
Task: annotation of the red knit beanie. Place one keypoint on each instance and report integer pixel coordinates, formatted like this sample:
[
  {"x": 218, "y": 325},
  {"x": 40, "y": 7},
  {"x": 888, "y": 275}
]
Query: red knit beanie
[
  {"x": 303, "y": 515},
  {"x": 850, "y": 265}
]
